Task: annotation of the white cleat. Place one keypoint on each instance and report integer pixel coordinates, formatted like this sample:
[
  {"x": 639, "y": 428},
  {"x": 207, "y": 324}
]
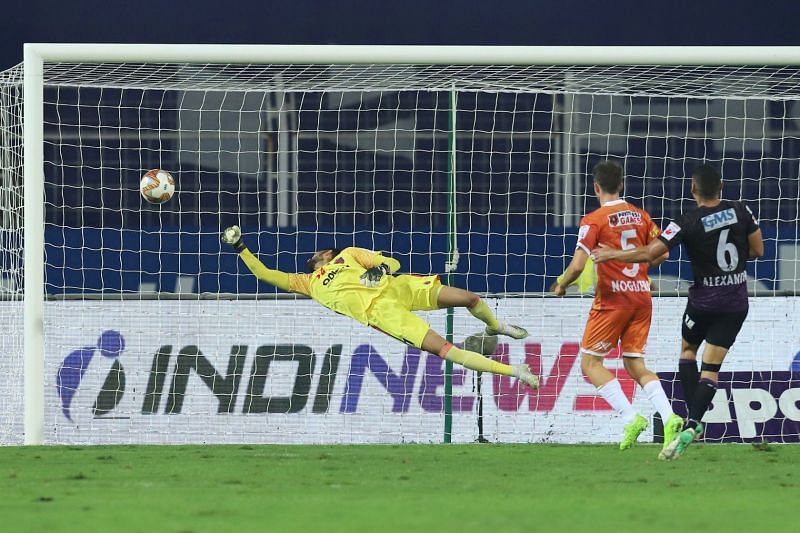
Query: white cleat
[
  {"x": 524, "y": 373},
  {"x": 509, "y": 330},
  {"x": 668, "y": 453},
  {"x": 232, "y": 235}
]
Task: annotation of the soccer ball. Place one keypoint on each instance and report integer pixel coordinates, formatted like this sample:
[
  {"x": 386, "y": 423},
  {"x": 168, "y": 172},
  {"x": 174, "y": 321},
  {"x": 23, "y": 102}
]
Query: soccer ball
[
  {"x": 481, "y": 343},
  {"x": 157, "y": 186}
]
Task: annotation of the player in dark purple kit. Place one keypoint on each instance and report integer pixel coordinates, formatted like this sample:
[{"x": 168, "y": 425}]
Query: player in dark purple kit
[{"x": 719, "y": 236}]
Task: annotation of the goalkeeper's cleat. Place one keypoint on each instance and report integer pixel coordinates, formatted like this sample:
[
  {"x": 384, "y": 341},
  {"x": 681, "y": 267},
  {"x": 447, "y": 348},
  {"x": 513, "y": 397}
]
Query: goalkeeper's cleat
[
  {"x": 233, "y": 236},
  {"x": 509, "y": 330},
  {"x": 680, "y": 443},
  {"x": 672, "y": 427},
  {"x": 632, "y": 431},
  {"x": 524, "y": 373}
]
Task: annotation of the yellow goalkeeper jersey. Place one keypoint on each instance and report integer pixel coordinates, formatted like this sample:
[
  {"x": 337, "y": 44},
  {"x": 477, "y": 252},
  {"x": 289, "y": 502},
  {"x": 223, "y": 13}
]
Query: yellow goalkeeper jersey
[{"x": 337, "y": 285}]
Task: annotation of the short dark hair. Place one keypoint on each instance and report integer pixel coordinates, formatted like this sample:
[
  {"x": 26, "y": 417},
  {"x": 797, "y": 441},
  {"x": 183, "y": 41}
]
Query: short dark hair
[
  {"x": 708, "y": 182},
  {"x": 608, "y": 175},
  {"x": 310, "y": 262}
]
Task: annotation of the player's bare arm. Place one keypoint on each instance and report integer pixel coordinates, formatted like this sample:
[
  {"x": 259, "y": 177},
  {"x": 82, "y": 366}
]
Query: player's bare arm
[
  {"x": 572, "y": 272},
  {"x": 654, "y": 253},
  {"x": 658, "y": 260},
  {"x": 756, "y": 244}
]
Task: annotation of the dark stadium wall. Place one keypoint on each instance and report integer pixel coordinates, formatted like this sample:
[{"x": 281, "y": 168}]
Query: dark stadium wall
[{"x": 521, "y": 22}]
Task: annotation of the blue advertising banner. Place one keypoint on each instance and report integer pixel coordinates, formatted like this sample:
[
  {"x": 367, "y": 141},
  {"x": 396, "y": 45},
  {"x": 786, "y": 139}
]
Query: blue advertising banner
[{"x": 748, "y": 406}]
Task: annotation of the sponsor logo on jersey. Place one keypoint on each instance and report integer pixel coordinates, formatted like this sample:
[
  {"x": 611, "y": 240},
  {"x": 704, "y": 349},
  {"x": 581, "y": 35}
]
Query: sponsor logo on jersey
[
  {"x": 327, "y": 275},
  {"x": 583, "y": 231},
  {"x": 671, "y": 231},
  {"x": 602, "y": 346},
  {"x": 719, "y": 219},
  {"x": 624, "y": 218},
  {"x": 330, "y": 276}
]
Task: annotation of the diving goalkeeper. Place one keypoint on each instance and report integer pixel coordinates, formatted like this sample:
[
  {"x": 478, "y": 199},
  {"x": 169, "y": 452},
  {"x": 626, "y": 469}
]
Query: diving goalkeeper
[{"x": 359, "y": 283}]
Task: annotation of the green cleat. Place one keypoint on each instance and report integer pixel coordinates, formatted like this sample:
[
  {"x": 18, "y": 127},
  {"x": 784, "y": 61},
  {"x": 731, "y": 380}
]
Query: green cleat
[
  {"x": 633, "y": 429},
  {"x": 672, "y": 426},
  {"x": 678, "y": 446}
]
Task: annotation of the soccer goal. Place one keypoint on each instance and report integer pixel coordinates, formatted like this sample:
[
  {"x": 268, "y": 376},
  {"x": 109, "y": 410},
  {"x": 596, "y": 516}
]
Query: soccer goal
[{"x": 469, "y": 162}]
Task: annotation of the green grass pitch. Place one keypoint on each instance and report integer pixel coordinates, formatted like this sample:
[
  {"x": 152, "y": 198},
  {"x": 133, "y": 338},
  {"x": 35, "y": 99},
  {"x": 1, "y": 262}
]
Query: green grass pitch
[{"x": 483, "y": 487}]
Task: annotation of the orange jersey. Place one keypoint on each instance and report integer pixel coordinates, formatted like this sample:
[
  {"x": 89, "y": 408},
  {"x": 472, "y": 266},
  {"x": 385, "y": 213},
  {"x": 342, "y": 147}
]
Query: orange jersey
[{"x": 618, "y": 224}]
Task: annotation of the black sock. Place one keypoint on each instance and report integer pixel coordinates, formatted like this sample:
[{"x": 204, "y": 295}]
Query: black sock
[
  {"x": 687, "y": 369},
  {"x": 706, "y": 389}
]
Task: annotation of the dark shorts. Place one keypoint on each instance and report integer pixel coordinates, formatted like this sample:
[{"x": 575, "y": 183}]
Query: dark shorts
[{"x": 715, "y": 327}]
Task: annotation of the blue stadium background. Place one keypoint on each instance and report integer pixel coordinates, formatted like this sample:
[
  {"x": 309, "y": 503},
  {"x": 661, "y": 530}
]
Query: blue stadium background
[
  {"x": 522, "y": 233},
  {"x": 101, "y": 237}
]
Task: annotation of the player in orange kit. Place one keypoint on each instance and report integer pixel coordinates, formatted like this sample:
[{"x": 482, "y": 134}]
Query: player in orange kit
[{"x": 622, "y": 306}]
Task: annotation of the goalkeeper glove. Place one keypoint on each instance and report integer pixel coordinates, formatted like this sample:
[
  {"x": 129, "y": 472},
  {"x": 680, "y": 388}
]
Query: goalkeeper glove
[
  {"x": 233, "y": 236},
  {"x": 372, "y": 276}
]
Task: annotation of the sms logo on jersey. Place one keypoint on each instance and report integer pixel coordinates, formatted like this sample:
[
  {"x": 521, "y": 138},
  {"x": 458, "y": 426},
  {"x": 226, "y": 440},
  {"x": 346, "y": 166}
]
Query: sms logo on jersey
[
  {"x": 72, "y": 373},
  {"x": 719, "y": 219}
]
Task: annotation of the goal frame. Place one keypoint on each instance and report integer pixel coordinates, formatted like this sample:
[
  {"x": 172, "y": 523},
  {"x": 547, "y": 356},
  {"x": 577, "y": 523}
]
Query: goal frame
[{"x": 36, "y": 54}]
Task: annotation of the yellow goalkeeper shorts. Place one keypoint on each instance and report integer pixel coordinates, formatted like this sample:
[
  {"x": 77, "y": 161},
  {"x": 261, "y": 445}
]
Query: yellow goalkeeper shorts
[{"x": 391, "y": 312}]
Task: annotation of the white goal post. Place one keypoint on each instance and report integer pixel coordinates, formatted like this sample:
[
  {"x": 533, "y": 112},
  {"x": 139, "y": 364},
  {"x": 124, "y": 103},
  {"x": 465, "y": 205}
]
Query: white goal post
[{"x": 37, "y": 56}]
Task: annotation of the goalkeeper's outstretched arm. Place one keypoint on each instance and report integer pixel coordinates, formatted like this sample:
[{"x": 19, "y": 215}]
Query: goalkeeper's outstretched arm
[{"x": 277, "y": 278}]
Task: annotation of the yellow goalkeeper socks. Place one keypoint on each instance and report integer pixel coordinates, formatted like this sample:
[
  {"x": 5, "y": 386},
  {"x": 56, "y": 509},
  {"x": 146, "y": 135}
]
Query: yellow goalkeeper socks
[
  {"x": 482, "y": 312},
  {"x": 475, "y": 361}
]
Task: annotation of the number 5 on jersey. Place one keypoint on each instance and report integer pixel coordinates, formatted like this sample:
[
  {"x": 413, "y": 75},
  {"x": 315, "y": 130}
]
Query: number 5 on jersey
[{"x": 624, "y": 243}]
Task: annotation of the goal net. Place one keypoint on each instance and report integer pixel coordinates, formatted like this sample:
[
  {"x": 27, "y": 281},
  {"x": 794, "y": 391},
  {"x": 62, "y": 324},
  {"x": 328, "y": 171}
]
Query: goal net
[
  {"x": 11, "y": 283},
  {"x": 156, "y": 333}
]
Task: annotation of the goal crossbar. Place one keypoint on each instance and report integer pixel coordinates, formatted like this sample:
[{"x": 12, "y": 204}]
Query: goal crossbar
[{"x": 458, "y": 55}]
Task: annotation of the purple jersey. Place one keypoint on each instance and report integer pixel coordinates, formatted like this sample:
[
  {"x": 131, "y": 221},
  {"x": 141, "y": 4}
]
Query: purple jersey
[{"x": 716, "y": 242}]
